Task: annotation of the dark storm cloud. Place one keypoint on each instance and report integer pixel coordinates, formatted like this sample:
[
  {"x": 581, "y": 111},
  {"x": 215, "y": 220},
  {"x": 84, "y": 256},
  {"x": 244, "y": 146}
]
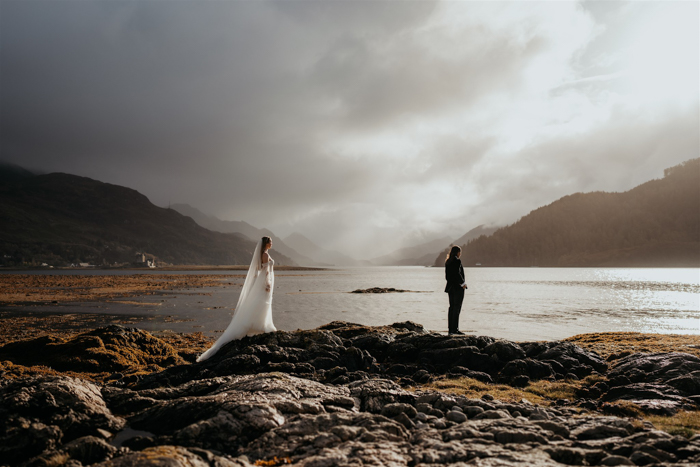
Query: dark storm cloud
[
  {"x": 190, "y": 96},
  {"x": 131, "y": 77},
  {"x": 361, "y": 124}
]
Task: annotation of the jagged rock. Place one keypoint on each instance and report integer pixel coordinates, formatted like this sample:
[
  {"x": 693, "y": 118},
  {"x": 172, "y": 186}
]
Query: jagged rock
[
  {"x": 380, "y": 290},
  {"x": 110, "y": 349},
  {"x": 657, "y": 367},
  {"x": 375, "y": 394},
  {"x": 305, "y": 435},
  {"x": 616, "y": 460},
  {"x": 652, "y": 398},
  {"x": 174, "y": 456},
  {"x": 421, "y": 376},
  {"x": 505, "y": 350},
  {"x": 330, "y": 401},
  {"x": 566, "y": 354},
  {"x": 403, "y": 419},
  {"x": 394, "y": 409},
  {"x": 656, "y": 383},
  {"x": 576, "y": 456},
  {"x": 598, "y": 432},
  {"x": 688, "y": 385},
  {"x": 642, "y": 458},
  {"x": 409, "y": 326},
  {"x": 456, "y": 416},
  {"x": 554, "y": 427},
  {"x": 642, "y": 391},
  {"x": 519, "y": 372},
  {"x": 477, "y": 375},
  {"x": 341, "y": 352},
  {"x": 40, "y": 413},
  {"x": 492, "y": 414},
  {"x": 89, "y": 449},
  {"x": 216, "y": 420}
]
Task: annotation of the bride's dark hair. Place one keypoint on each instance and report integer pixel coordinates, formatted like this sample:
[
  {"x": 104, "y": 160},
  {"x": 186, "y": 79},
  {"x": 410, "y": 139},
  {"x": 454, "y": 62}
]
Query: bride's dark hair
[
  {"x": 266, "y": 240},
  {"x": 453, "y": 253}
]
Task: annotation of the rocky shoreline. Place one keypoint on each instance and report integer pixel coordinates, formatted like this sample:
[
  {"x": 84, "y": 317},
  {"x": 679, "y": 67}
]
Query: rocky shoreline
[
  {"x": 341, "y": 394},
  {"x": 387, "y": 290}
]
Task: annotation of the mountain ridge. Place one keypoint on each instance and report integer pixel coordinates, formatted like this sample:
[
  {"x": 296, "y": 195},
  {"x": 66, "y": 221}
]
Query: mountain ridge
[
  {"x": 656, "y": 224},
  {"x": 476, "y": 232},
  {"x": 418, "y": 255},
  {"x": 211, "y": 222},
  {"x": 59, "y": 218}
]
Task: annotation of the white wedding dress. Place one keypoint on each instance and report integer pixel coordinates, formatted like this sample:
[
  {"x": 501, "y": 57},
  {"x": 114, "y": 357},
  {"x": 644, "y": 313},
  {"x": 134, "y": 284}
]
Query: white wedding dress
[{"x": 253, "y": 313}]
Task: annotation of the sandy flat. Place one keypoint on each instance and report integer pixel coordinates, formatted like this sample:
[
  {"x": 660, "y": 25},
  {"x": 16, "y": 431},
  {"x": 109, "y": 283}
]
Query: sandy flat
[{"x": 28, "y": 289}]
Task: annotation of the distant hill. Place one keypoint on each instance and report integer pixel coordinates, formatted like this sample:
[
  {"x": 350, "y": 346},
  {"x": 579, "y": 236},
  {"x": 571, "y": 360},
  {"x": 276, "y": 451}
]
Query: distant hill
[
  {"x": 419, "y": 255},
  {"x": 13, "y": 173},
  {"x": 214, "y": 223},
  {"x": 476, "y": 232},
  {"x": 60, "y": 218},
  {"x": 656, "y": 224},
  {"x": 322, "y": 256},
  {"x": 253, "y": 233}
]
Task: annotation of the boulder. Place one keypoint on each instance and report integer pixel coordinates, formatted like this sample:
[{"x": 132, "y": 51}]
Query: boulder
[
  {"x": 111, "y": 349},
  {"x": 174, "y": 456},
  {"x": 330, "y": 397},
  {"x": 39, "y": 414},
  {"x": 676, "y": 369}
]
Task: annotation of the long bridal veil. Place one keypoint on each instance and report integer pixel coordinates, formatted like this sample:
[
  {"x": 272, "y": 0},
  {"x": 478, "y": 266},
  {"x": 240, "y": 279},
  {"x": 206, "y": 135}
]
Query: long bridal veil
[
  {"x": 253, "y": 306},
  {"x": 253, "y": 272}
]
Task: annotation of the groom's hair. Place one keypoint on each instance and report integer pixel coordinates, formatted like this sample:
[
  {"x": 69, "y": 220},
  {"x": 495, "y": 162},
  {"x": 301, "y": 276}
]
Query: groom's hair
[
  {"x": 453, "y": 252},
  {"x": 265, "y": 240}
]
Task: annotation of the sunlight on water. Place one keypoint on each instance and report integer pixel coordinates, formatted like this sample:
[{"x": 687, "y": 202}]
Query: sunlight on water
[
  {"x": 510, "y": 303},
  {"x": 513, "y": 303}
]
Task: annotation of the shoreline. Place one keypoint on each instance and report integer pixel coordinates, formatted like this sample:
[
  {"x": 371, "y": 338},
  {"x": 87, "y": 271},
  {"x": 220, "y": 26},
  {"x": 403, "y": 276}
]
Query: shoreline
[
  {"x": 18, "y": 325},
  {"x": 28, "y": 290},
  {"x": 175, "y": 267},
  {"x": 34, "y": 289},
  {"x": 399, "y": 394}
]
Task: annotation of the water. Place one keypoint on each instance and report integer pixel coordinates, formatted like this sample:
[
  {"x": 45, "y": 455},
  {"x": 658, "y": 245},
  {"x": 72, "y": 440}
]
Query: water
[{"x": 511, "y": 303}]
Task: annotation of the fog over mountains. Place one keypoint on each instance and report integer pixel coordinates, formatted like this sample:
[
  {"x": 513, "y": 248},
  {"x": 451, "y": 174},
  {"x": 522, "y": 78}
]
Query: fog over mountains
[
  {"x": 366, "y": 126},
  {"x": 319, "y": 254},
  {"x": 61, "y": 218},
  {"x": 419, "y": 255},
  {"x": 307, "y": 253},
  {"x": 656, "y": 224},
  {"x": 252, "y": 233}
]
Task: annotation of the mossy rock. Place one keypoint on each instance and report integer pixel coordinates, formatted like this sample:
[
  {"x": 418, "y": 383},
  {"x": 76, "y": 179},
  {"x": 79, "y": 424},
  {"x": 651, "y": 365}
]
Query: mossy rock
[{"x": 111, "y": 349}]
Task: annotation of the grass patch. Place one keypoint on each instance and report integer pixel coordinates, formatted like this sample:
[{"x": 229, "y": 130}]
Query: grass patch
[
  {"x": 545, "y": 393},
  {"x": 606, "y": 344},
  {"x": 538, "y": 392},
  {"x": 684, "y": 423}
]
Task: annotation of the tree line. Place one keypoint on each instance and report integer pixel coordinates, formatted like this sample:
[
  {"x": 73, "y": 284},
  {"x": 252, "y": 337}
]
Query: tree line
[{"x": 655, "y": 224}]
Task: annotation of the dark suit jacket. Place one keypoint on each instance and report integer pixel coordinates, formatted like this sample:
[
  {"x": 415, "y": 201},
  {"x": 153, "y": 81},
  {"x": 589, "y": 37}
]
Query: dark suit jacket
[{"x": 454, "y": 273}]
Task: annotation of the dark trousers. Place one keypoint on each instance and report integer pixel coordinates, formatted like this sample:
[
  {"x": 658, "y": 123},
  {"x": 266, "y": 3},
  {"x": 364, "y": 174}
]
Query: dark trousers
[{"x": 456, "y": 294}]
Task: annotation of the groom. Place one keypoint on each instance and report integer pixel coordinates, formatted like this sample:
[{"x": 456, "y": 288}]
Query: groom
[{"x": 454, "y": 273}]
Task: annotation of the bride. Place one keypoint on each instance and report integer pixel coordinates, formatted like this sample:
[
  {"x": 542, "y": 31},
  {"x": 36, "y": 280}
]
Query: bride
[{"x": 253, "y": 313}]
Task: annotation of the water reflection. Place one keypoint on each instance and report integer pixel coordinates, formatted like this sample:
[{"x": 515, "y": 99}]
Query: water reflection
[{"x": 511, "y": 303}]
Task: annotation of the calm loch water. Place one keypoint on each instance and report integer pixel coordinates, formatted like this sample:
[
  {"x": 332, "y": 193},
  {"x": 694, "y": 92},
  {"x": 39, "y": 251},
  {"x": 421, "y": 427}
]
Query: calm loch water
[{"x": 511, "y": 303}]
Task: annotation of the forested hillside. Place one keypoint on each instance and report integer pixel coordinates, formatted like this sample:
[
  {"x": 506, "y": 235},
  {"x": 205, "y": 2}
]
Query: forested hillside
[
  {"x": 656, "y": 224},
  {"x": 60, "y": 219}
]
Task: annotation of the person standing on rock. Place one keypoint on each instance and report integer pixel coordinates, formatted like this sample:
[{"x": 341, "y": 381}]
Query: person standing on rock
[
  {"x": 454, "y": 274},
  {"x": 253, "y": 313}
]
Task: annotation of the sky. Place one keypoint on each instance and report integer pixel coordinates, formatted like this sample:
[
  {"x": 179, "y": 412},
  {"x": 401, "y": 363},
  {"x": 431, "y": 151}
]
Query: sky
[{"x": 366, "y": 126}]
